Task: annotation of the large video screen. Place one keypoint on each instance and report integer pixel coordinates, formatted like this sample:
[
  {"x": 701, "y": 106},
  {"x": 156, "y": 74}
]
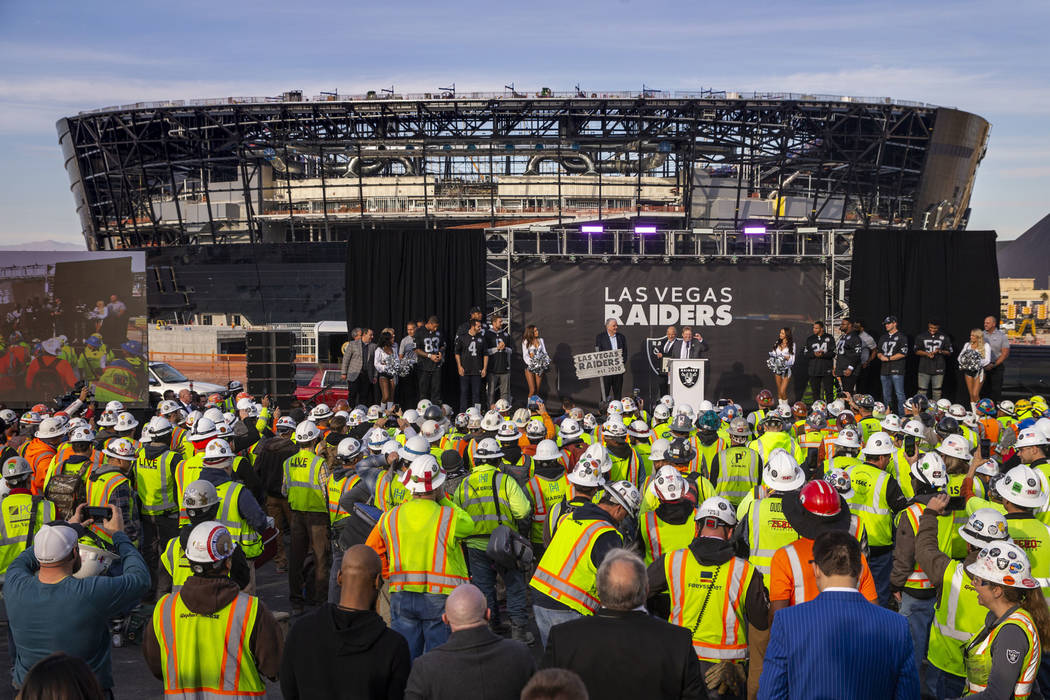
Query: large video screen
[{"x": 72, "y": 318}]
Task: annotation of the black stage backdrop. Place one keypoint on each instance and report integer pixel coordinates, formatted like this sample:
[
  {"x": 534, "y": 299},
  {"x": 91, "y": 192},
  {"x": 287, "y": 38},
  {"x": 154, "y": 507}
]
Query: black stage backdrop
[
  {"x": 392, "y": 278},
  {"x": 738, "y": 309},
  {"x": 951, "y": 276}
]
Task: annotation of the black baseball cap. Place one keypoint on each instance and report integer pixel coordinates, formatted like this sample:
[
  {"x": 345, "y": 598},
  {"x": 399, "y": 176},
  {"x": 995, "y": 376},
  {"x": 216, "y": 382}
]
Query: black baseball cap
[{"x": 889, "y": 319}]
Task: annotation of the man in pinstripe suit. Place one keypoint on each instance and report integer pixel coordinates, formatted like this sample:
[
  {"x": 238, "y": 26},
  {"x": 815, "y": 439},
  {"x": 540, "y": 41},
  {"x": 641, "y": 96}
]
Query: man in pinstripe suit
[{"x": 838, "y": 645}]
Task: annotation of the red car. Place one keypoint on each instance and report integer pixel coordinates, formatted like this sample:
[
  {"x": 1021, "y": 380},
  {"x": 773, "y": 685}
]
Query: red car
[{"x": 321, "y": 383}]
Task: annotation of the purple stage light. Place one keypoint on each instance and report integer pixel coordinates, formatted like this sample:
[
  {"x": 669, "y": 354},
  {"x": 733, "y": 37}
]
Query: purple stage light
[
  {"x": 645, "y": 229},
  {"x": 754, "y": 230},
  {"x": 593, "y": 228}
]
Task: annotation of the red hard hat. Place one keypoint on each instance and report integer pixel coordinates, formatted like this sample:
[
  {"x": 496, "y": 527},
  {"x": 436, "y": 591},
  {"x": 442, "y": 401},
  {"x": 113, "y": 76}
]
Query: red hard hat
[
  {"x": 765, "y": 398},
  {"x": 799, "y": 409},
  {"x": 820, "y": 498}
]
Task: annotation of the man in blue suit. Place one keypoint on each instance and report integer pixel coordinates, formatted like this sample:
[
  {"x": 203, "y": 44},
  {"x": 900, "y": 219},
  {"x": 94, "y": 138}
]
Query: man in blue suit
[{"x": 838, "y": 645}]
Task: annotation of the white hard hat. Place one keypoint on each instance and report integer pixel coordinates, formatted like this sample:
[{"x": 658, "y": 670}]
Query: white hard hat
[
  {"x": 684, "y": 409},
  {"x": 1043, "y": 426},
  {"x": 508, "y": 432},
  {"x": 614, "y": 428},
  {"x": 781, "y": 472},
  {"x": 245, "y": 404},
  {"x": 15, "y": 467},
  {"x": 356, "y": 417},
  {"x": 521, "y": 417},
  {"x": 424, "y": 475},
  {"x": 487, "y": 449},
  {"x": 390, "y": 446},
  {"x": 146, "y": 436},
  {"x": 667, "y": 400},
  {"x": 199, "y": 494},
  {"x": 115, "y": 406},
  {"x": 955, "y": 446},
  {"x": 51, "y": 428},
  {"x": 1004, "y": 563},
  {"x": 879, "y": 443},
  {"x": 638, "y": 429},
  {"x": 94, "y": 561},
  {"x": 878, "y": 410},
  {"x": 215, "y": 415},
  {"x": 1007, "y": 407},
  {"x": 891, "y": 423},
  {"x": 984, "y": 526},
  {"x": 423, "y": 405},
  {"x": 191, "y": 418},
  {"x": 599, "y": 452},
  {"x": 705, "y": 405},
  {"x": 411, "y": 416},
  {"x": 943, "y": 405},
  {"x": 376, "y": 438},
  {"x": 217, "y": 451},
  {"x": 491, "y": 422},
  {"x": 209, "y": 542},
  {"x": 120, "y": 448},
  {"x": 615, "y": 406},
  {"x": 158, "y": 425},
  {"x": 836, "y": 407},
  {"x": 320, "y": 412},
  {"x": 535, "y": 429},
  {"x": 718, "y": 508},
  {"x": 661, "y": 412},
  {"x": 1030, "y": 437},
  {"x": 570, "y": 429},
  {"x": 970, "y": 420},
  {"x": 228, "y": 418},
  {"x": 847, "y": 437},
  {"x": 957, "y": 411},
  {"x": 626, "y": 494},
  {"x": 589, "y": 422},
  {"x": 839, "y": 479},
  {"x": 502, "y": 406},
  {"x": 473, "y": 411},
  {"x": 1022, "y": 487},
  {"x": 668, "y": 484},
  {"x": 547, "y": 451},
  {"x": 307, "y": 431},
  {"x": 930, "y": 470},
  {"x": 988, "y": 468},
  {"x": 8, "y": 416},
  {"x": 168, "y": 406},
  {"x": 285, "y": 423},
  {"x": 76, "y": 422},
  {"x": 914, "y": 428},
  {"x": 627, "y": 404},
  {"x": 203, "y": 428},
  {"x": 34, "y": 418},
  {"x": 432, "y": 431},
  {"x": 348, "y": 449},
  {"x": 658, "y": 452},
  {"x": 373, "y": 412},
  {"x": 415, "y": 446},
  {"x": 82, "y": 434},
  {"x": 587, "y": 472}
]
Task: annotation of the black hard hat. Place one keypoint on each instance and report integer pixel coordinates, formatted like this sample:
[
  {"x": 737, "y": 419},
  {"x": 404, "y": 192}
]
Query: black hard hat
[
  {"x": 434, "y": 413},
  {"x": 681, "y": 424},
  {"x": 948, "y": 426},
  {"x": 680, "y": 451}
]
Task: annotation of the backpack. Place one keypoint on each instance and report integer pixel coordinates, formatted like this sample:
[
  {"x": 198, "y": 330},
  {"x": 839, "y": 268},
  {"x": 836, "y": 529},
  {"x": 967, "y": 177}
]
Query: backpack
[
  {"x": 47, "y": 382},
  {"x": 67, "y": 490}
]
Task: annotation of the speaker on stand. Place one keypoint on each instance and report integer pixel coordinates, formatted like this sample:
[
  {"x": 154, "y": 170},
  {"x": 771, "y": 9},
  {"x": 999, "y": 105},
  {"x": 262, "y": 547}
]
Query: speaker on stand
[{"x": 270, "y": 359}]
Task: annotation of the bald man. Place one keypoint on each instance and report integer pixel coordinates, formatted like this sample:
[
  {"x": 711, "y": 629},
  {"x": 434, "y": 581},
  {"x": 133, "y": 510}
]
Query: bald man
[
  {"x": 451, "y": 671},
  {"x": 346, "y": 650}
]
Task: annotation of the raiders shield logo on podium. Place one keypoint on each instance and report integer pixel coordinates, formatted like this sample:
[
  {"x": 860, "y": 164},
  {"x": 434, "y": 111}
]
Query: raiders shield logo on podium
[{"x": 688, "y": 376}]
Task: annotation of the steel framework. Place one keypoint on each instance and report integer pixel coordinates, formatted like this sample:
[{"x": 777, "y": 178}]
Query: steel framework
[
  {"x": 509, "y": 247},
  {"x": 236, "y": 170}
]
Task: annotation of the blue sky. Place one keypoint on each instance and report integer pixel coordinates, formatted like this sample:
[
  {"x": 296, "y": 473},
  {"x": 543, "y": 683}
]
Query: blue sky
[{"x": 57, "y": 58}]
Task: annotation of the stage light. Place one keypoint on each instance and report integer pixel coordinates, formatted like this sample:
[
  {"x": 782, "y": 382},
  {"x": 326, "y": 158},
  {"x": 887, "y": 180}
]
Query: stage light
[
  {"x": 754, "y": 230},
  {"x": 592, "y": 228},
  {"x": 605, "y": 259},
  {"x": 572, "y": 258},
  {"x": 806, "y": 230},
  {"x": 733, "y": 260},
  {"x": 544, "y": 259},
  {"x": 798, "y": 259},
  {"x": 645, "y": 229},
  {"x": 666, "y": 259},
  {"x": 634, "y": 259},
  {"x": 702, "y": 259}
]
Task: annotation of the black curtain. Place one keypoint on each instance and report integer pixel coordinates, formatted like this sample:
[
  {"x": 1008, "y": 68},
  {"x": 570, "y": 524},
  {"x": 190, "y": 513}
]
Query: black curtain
[
  {"x": 392, "y": 278},
  {"x": 951, "y": 276}
]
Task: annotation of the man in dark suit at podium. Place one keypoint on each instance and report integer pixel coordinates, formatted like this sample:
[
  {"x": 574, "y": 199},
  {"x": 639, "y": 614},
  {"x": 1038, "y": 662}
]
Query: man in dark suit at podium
[
  {"x": 687, "y": 347},
  {"x": 611, "y": 339}
]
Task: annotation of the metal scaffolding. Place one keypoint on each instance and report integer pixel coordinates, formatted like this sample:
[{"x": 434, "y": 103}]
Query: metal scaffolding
[{"x": 508, "y": 248}]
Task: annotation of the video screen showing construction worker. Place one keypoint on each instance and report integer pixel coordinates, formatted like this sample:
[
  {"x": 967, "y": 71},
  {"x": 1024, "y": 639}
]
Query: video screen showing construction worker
[{"x": 69, "y": 319}]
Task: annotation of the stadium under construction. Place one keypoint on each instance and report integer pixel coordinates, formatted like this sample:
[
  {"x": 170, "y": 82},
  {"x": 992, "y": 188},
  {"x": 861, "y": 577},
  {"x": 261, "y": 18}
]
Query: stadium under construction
[{"x": 295, "y": 177}]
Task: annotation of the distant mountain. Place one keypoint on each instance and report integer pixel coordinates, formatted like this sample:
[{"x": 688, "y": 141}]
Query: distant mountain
[
  {"x": 45, "y": 245},
  {"x": 1026, "y": 256}
]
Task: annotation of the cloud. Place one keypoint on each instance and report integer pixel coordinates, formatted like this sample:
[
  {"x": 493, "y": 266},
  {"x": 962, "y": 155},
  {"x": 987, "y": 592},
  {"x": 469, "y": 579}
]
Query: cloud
[{"x": 36, "y": 53}]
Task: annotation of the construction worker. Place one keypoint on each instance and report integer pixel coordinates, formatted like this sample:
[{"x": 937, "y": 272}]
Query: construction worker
[
  {"x": 812, "y": 439},
  {"x": 570, "y": 439},
  {"x": 670, "y": 525},
  {"x": 22, "y": 513},
  {"x": 119, "y": 380},
  {"x": 109, "y": 485},
  {"x": 709, "y": 444},
  {"x": 547, "y": 486},
  {"x": 739, "y": 467},
  {"x": 491, "y": 498},
  {"x": 1006, "y": 415},
  {"x": 765, "y": 402},
  {"x": 515, "y": 463},
  {"x": 418, "y": 542},
  {"x": 719, "y": 622},
  {"x": 343, "y": 478},
  {"x": 201, "y": 503},
  {"x": 584, "y": 482},
  {"x": 155, "y": 469},
  {"x": 92, "y": 361},
  {"x": 876, "y": 499},
  {"x": 662, "y": 421},
  {"x": 490, "y": 424},
  {"x": 170, "y": 411},
  {"x": 1031, "y": 447},
  {"x": 304, "y": 483},
  {"x": 210, "y": 639},
  {"x": 390, "y": 489},
  {"x": 67, "y": 491},
  {"x": 626, "y": 465},
  {"x": 867, "y": 423},
  {"x": 913, "y": 589},
  {"x": 42, "y": 448},
  {"x": 563, "y": 585},
  {"x": 1022, "y": 495},
  {"x": 907, "y": 442},
  {"x": 204, "y": 431},
  {"x": 773, "y": 437},
  {"x": 241, "y": 512},
  {"x": 846, "y": 448},
  {"x": 956, "y": 453},
  {"x": 958, "y": 615},
  {"x": 761, "y": 522},
  {"x": 640, "y": 437},
  {"x": 535, "y": 431}
]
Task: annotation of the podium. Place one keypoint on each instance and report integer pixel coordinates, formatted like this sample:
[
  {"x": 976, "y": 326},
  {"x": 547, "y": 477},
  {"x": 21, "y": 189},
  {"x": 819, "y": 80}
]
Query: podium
[{"x": 686, "y": 380}]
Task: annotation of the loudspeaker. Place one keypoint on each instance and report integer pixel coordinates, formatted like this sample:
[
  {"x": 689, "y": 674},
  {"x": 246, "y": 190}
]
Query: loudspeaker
[{"x": 270, "y": 357}]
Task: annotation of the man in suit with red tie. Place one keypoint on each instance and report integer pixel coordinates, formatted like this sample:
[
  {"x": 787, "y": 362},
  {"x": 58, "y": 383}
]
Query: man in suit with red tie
[{"x": 838, "y": 645}]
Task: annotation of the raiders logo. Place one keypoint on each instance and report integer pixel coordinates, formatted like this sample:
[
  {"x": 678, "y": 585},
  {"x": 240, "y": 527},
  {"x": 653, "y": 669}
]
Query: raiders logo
[
  {"x": 1012, "y": 655},
  {"x": 689, "y": 376}
]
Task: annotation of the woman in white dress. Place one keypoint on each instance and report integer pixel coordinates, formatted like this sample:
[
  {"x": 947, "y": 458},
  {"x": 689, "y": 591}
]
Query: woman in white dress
[
  {"x": 784, "y": 347},
  {"x": 974, "y": 379},
  {"x": 383, "y": 363},
  {"x": 531, "y": 344}
]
